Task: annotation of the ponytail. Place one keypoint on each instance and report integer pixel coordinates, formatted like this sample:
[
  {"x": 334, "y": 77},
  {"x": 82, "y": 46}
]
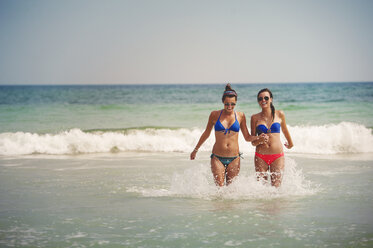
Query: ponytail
[{"x": 273, "y": 112}]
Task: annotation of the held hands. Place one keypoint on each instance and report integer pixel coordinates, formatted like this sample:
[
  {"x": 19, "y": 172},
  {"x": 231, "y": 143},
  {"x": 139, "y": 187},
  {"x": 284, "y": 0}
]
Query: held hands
[{"x": 263, "y": 139}]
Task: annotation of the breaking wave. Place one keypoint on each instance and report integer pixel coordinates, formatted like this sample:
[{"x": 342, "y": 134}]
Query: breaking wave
[{"x": 345, "y": 137}]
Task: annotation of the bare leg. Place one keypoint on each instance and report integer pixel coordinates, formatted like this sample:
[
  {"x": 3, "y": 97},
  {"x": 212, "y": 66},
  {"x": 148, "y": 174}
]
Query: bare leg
[
  {"x": 277, "y": 167},
  {"x": 218, "y": 171},
  {"x": 261, "y": 168},
  {"x": 232, "y": 170}
]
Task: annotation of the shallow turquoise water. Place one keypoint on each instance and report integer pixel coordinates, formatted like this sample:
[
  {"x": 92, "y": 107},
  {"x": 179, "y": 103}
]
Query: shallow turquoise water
[{"x": 131, "y": 200}]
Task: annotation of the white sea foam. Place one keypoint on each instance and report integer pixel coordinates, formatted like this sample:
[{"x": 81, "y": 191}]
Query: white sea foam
[
  {"x": 344, "y": 137},
  {"x": 197, "y": 182}
]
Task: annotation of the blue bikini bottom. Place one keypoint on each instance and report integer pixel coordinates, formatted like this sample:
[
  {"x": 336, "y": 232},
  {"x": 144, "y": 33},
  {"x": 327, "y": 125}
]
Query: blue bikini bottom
[{"x": 225, "y": 160}]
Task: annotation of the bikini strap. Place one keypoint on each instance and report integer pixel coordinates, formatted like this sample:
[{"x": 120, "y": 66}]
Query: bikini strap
[{"x": 220, "y": 114}]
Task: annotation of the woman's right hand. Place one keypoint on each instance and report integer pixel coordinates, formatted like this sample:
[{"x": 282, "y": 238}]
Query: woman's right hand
[{"x": 193, "y": 155}]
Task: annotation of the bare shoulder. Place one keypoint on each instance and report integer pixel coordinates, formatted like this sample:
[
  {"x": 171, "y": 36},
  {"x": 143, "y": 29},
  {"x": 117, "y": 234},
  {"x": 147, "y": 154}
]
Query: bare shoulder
[
  {"x": 280, "y": 113},
  {"x": 255, "y": 116},
  {"x": 240, "y": 114},
  {"x": 214, "y": 115}
]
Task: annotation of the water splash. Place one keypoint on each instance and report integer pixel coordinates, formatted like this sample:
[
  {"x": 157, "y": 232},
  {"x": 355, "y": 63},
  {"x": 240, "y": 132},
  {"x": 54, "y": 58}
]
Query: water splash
[{"x": 197, "y": 182}]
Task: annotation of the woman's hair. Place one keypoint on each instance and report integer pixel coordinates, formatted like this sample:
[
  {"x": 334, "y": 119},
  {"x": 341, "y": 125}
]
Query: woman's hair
[
  {"x": 270, "y": 94},
  {"x": 229, "y": 92}
]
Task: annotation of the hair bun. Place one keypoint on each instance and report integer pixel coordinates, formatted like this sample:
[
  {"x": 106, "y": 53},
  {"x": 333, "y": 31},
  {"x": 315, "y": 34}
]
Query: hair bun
[{"x": 228, "y": 87}]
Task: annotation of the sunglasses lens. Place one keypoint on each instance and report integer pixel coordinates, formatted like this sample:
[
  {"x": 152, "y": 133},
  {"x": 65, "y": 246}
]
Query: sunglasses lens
[{"x": 266, "y": 98}]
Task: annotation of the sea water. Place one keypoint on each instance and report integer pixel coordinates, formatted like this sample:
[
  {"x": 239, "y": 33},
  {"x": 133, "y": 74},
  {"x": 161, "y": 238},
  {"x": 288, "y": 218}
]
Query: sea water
[{"x": 108, "y": 166}]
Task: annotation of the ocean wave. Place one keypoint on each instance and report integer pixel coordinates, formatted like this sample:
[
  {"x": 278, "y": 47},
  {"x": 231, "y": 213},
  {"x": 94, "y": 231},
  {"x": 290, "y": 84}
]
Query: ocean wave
[
  {"x": 342, "y": 138},
  {"x": 345, "y": 137}
]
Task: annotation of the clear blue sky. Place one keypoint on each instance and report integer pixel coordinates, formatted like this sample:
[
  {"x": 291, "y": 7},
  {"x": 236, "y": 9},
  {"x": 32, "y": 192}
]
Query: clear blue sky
[{"x": 130, "y": 42}]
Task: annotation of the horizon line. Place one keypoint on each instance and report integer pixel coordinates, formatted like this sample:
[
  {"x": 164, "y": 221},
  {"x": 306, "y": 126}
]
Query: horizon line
[{"x": 210, "y": 83}]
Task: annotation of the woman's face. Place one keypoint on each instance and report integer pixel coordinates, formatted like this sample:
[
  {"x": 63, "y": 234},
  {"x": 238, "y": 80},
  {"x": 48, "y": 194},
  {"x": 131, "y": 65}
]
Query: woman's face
[
  {"x": 264, "y": 99},
  {"x": 229, "y": 103}
]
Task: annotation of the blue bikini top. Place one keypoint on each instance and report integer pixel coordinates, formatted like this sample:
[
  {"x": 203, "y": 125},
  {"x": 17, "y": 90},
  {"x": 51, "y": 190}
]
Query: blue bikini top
[
  {"x": 219, "y": 127},
  {"x": 275, "y": 128}
]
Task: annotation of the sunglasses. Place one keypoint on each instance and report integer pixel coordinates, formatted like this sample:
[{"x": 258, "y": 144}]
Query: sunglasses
[
  {"x": 261, "y": 98},
  {"x": 228, "y": 103}
]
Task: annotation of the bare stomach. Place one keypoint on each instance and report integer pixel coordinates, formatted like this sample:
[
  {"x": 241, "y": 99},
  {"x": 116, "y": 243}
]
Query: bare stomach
[
  {"x": 274, "y": 145},
  {"x": 226, "y": 145}
]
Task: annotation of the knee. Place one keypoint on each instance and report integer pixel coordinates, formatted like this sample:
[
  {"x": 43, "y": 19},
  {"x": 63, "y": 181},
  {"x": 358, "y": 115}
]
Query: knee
[
  {"x": 276, "y": 182},
  {"x": 219, "y": 183}
]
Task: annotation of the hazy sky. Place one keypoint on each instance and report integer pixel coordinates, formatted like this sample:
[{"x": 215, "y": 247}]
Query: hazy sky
[{"x": 156, "y": 41}]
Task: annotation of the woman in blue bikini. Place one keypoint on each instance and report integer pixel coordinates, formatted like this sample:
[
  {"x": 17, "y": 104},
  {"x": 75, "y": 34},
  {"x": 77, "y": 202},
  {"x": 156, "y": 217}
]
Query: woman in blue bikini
[
  {"x": 225, "y": 157},
  {"x": 269, "y": 156}
]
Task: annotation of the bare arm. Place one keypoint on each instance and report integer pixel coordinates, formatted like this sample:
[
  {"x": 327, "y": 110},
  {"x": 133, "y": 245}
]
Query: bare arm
[
  {"x": 245, "y": 131},
  {"x": 285, "y": 130},
  {"x": 204, "y": 136},
  {"x": 258, "y": 140}
]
